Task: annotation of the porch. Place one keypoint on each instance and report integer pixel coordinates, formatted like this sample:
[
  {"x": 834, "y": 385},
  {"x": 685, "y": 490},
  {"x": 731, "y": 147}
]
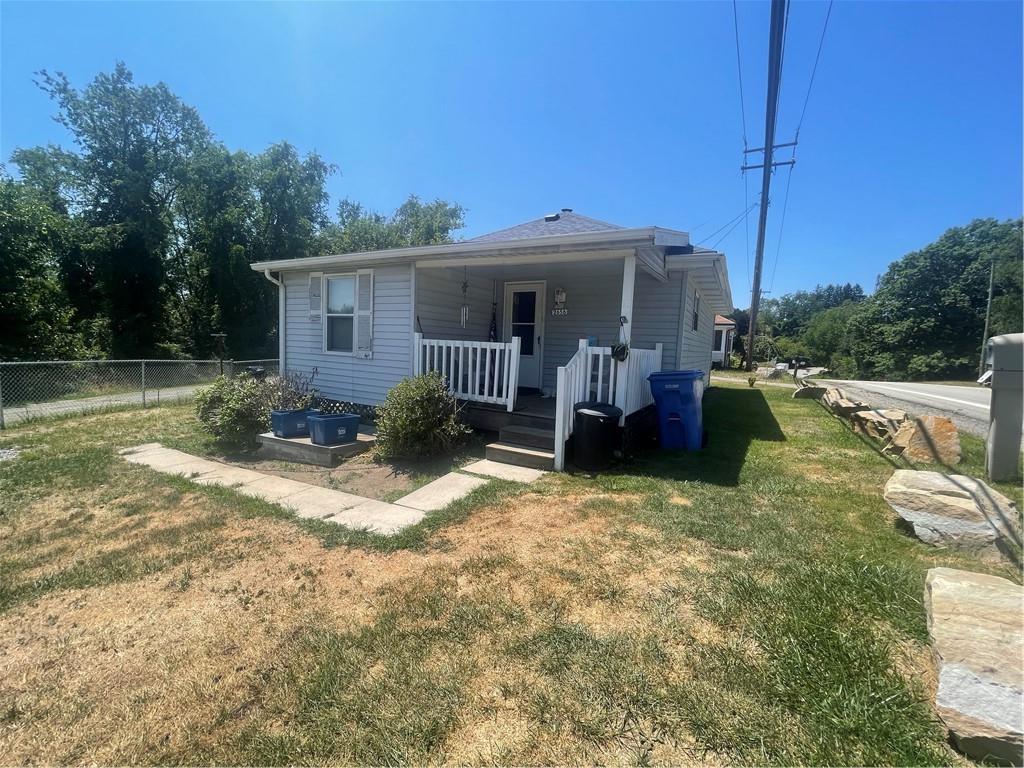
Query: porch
[{"x": 534, "y": 428}]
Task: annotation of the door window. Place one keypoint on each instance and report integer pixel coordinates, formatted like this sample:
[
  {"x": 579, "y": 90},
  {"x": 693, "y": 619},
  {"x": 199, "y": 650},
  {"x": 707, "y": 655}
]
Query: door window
[{"x": 524, "y": 319}]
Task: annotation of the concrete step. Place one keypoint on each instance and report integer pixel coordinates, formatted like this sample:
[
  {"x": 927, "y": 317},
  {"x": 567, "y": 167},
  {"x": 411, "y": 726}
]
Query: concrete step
[
  {"x": 535, "y": 420},
  {"x": 530, "y": 437},
  {"x": 521, "y": 456}
]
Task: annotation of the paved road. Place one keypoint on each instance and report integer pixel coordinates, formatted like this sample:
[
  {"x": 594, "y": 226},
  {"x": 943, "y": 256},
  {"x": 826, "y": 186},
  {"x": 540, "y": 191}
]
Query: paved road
[
  {"x": 16, "y": 414},
  {"x": 967, "y": 406}
]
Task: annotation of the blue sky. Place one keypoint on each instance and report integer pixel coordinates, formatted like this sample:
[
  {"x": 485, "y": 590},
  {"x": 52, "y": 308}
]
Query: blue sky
[{"x": 624, "y": 112}]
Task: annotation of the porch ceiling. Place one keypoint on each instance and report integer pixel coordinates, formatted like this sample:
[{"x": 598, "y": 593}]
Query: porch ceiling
[{"x": 529, "y": 271}]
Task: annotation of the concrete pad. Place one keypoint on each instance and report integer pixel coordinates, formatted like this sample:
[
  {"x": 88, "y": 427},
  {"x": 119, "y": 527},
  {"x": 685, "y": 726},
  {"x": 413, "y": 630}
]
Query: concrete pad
[
  {"x": 160, "y": 459},
  {"x": 272, "y": 488},
  {"x": 378, "y": 516},
  {"x": 228, "y": 476},
  {"x": 502, "y": 471},
  {"x": 192, "y": 469},
  {"x": 144, "y": 448},
  {"x": 319, "y": 502},
  {"x": 441, "y": 492}
]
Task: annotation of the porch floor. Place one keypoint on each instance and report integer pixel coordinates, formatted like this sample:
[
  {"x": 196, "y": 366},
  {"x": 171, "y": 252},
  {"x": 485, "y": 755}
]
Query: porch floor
[{"x": 527, "y": 404}]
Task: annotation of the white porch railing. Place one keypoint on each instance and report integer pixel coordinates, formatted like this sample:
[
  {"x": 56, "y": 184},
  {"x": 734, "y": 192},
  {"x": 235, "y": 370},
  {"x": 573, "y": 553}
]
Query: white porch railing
[
  {"x": 481, "y": 371},
  {"x": 592, "y": 373}
]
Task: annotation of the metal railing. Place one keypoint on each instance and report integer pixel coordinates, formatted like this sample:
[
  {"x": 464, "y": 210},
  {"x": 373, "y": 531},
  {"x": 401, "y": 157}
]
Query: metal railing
[{"x": 36, "y": 389}]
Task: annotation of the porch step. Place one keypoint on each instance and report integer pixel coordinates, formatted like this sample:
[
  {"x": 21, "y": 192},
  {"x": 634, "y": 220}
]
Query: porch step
[
  {"x": 521, "y": 456},
  {"x": 530, "y": 437},
  {"x": 534, "y": 420}
]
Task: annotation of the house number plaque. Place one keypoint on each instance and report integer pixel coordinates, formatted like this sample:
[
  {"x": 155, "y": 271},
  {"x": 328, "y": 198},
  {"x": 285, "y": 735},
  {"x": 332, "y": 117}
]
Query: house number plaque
[{"x": 559, "y": 310}]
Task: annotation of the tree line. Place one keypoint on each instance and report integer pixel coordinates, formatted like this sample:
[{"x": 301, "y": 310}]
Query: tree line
[
  {"x": 924, "y": 320},
  {"x": 136, "y": 241}
]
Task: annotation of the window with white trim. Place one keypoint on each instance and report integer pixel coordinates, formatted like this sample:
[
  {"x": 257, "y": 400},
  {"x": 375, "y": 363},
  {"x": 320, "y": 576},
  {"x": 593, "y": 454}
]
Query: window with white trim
[{"x": 340, "y": 313}]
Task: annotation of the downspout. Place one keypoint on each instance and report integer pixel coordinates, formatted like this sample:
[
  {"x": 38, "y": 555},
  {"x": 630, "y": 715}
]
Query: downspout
[{"x": 280, "y": 319}]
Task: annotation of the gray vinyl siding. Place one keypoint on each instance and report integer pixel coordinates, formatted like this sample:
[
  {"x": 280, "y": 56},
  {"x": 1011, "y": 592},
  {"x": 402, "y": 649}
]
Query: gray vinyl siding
[
  {"x": 656, "y": 308},
  {"x": 696, "y": 345},
  {"x": 593, "y": 301},
  {"x": 344, "y": 377},
  {"x": 439, "y": 303}
]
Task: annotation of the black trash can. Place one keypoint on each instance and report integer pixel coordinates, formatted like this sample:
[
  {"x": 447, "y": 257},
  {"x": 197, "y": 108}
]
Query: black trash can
[{"x": 595, "y": 432}]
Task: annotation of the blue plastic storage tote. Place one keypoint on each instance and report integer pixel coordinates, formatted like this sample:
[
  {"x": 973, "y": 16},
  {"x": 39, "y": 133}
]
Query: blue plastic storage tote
[
  {"x": 333, "y": 428},
  {"x": 290, "y": 423},
  {"x": 679, "y": 395}
]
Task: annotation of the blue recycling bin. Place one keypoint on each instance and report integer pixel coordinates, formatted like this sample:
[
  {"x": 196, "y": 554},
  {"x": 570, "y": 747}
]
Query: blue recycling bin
[
  {"x": 290, "y": 423},
  {"x": 333, "y": 428},
  {"x": 678, "y": 396}
]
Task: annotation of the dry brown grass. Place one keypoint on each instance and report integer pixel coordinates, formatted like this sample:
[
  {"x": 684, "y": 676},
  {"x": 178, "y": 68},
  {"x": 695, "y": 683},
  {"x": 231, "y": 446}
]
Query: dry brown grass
[{"x": 126, "y": 671}]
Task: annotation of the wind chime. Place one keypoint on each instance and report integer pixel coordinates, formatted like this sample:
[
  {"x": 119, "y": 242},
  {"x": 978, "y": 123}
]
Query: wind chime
[{"x": 464, "y": 312}]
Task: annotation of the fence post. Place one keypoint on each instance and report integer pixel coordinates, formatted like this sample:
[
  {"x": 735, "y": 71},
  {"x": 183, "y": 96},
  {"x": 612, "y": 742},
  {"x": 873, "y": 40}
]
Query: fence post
[
  {"x": 143, "y": 383},
  {"x": 2, "y": 424},
  {"x": 231, "y": 368}
]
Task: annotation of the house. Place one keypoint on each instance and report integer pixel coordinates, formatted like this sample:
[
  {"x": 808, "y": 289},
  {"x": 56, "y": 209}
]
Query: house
[
  {"x": 725, "y": 331},
  {"x": 522, "y": 322}
]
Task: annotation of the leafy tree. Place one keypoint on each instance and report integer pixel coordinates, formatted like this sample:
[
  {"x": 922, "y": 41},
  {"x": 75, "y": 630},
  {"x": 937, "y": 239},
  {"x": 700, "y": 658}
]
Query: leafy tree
[
  {"x": 926, "y": 317},
  {"x": 135, "y": 143},
  {"x": 37, "y": 319},
  {"x": 414, "y": 223}
]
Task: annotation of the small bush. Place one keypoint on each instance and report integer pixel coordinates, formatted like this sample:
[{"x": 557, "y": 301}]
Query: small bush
[
  {"x": 419, "y": 418},
  {"x": 236, "y": 410}
]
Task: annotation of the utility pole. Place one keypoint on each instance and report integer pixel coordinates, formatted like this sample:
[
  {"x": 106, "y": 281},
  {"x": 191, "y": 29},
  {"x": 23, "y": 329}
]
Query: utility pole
[
  {"x": 775, "y": 35},
  {"x": 988, "y": 313}
]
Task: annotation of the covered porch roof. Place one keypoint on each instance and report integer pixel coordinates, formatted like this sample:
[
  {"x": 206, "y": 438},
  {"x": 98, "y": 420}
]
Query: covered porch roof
[{"x": 561, "y": 237}]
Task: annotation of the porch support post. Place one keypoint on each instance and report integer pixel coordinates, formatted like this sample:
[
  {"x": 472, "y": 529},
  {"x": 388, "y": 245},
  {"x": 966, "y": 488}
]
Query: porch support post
[{"x": 626, "y": 310}]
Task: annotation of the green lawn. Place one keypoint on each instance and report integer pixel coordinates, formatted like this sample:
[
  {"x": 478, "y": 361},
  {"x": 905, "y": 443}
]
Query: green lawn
[{"x": 751, "y": 603}]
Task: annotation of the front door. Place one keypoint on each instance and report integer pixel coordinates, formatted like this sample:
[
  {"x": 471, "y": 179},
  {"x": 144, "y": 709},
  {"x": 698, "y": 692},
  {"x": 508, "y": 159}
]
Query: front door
[{"x": 524, "y": 317}]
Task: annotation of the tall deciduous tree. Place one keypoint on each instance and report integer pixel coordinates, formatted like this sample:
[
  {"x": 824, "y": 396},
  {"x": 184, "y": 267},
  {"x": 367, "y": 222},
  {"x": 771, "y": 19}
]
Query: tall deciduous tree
[
  {"x": 414, "y": 223},
  {"x": 926, "y": 316},
  {"x": 135, "y": 145}
]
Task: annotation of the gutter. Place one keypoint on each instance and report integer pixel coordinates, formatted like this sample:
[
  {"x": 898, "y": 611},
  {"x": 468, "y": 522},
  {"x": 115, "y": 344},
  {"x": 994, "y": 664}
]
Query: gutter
[
  {"x": 617, "y": 238},
  {"x": 280, "y": 318}
]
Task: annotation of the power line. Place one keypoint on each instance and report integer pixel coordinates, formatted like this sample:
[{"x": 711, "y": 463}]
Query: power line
[
  {"x": 735, "y": 218},
  {"x": 782, "y": 225},
  {"x": 814, "y": 70},
  {"x": 739, "y": 71},
  {"x": 729, "y": 232},
  {"x": 746, "y": 229}
]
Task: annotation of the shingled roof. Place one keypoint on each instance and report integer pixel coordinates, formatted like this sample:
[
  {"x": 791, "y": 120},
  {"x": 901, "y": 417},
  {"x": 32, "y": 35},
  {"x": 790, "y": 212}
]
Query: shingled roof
[{"x": 565, "y": 222}]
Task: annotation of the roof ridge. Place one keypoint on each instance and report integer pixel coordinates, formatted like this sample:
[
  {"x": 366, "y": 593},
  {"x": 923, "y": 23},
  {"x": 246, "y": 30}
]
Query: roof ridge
[{"x": 567, "y": 223}]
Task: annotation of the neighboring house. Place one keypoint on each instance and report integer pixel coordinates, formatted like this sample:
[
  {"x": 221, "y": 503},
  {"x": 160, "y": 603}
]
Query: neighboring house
[
  {"x": 521, "y": 321},
  {"x": 725, "y": 330}
]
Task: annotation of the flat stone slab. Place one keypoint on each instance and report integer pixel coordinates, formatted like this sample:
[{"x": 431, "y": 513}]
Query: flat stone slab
[
  {"x": 809, "y": 393},
  {"x": 929, "y": 438},
  {"x": 378, "y": 516},
  {"x": 305, "y": 501},
  {"x": 977, "y": 633},
  {"x": 955, "y": 511},
  {"x": 502, "y": 471},
  {"x": 315, "y": 502},
  {"x": 441, "y": 492}
]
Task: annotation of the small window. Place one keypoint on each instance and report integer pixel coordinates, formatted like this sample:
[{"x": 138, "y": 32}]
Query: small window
[
  {"x": 340, "y": 313},
  {"x": 696, "y": 310},
  {"x": 718, "y": 340}
]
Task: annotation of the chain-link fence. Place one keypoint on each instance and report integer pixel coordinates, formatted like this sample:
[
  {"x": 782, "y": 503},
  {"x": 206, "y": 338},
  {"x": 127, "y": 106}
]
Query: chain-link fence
[{"x": 30, "y": 390}]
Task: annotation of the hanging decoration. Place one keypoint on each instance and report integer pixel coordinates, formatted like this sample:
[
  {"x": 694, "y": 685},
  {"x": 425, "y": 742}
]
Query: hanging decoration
[
  {"x": 492, "y": 332},
  {"x": 559, "y": 310},
  {"x": 464, "y": 313}
]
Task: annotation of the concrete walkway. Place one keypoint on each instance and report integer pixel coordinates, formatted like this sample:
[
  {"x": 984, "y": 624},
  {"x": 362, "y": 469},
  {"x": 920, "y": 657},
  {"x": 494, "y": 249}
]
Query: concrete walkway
[{"x": 312, "y": 501}]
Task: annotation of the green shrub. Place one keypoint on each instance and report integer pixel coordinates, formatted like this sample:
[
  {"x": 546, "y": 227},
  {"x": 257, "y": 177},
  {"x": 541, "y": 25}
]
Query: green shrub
[
  {"x": 236, "y": 410},
  {"x": 419, "y": 418}
]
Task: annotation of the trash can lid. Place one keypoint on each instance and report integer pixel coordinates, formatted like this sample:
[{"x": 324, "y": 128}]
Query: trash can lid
[
  {"x": 676, "y": 375},
  {"x": 594, "y": 408}
]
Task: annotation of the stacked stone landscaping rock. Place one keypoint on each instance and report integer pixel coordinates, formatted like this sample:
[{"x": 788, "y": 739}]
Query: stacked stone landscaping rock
[{"x": 975, "y": 621}]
